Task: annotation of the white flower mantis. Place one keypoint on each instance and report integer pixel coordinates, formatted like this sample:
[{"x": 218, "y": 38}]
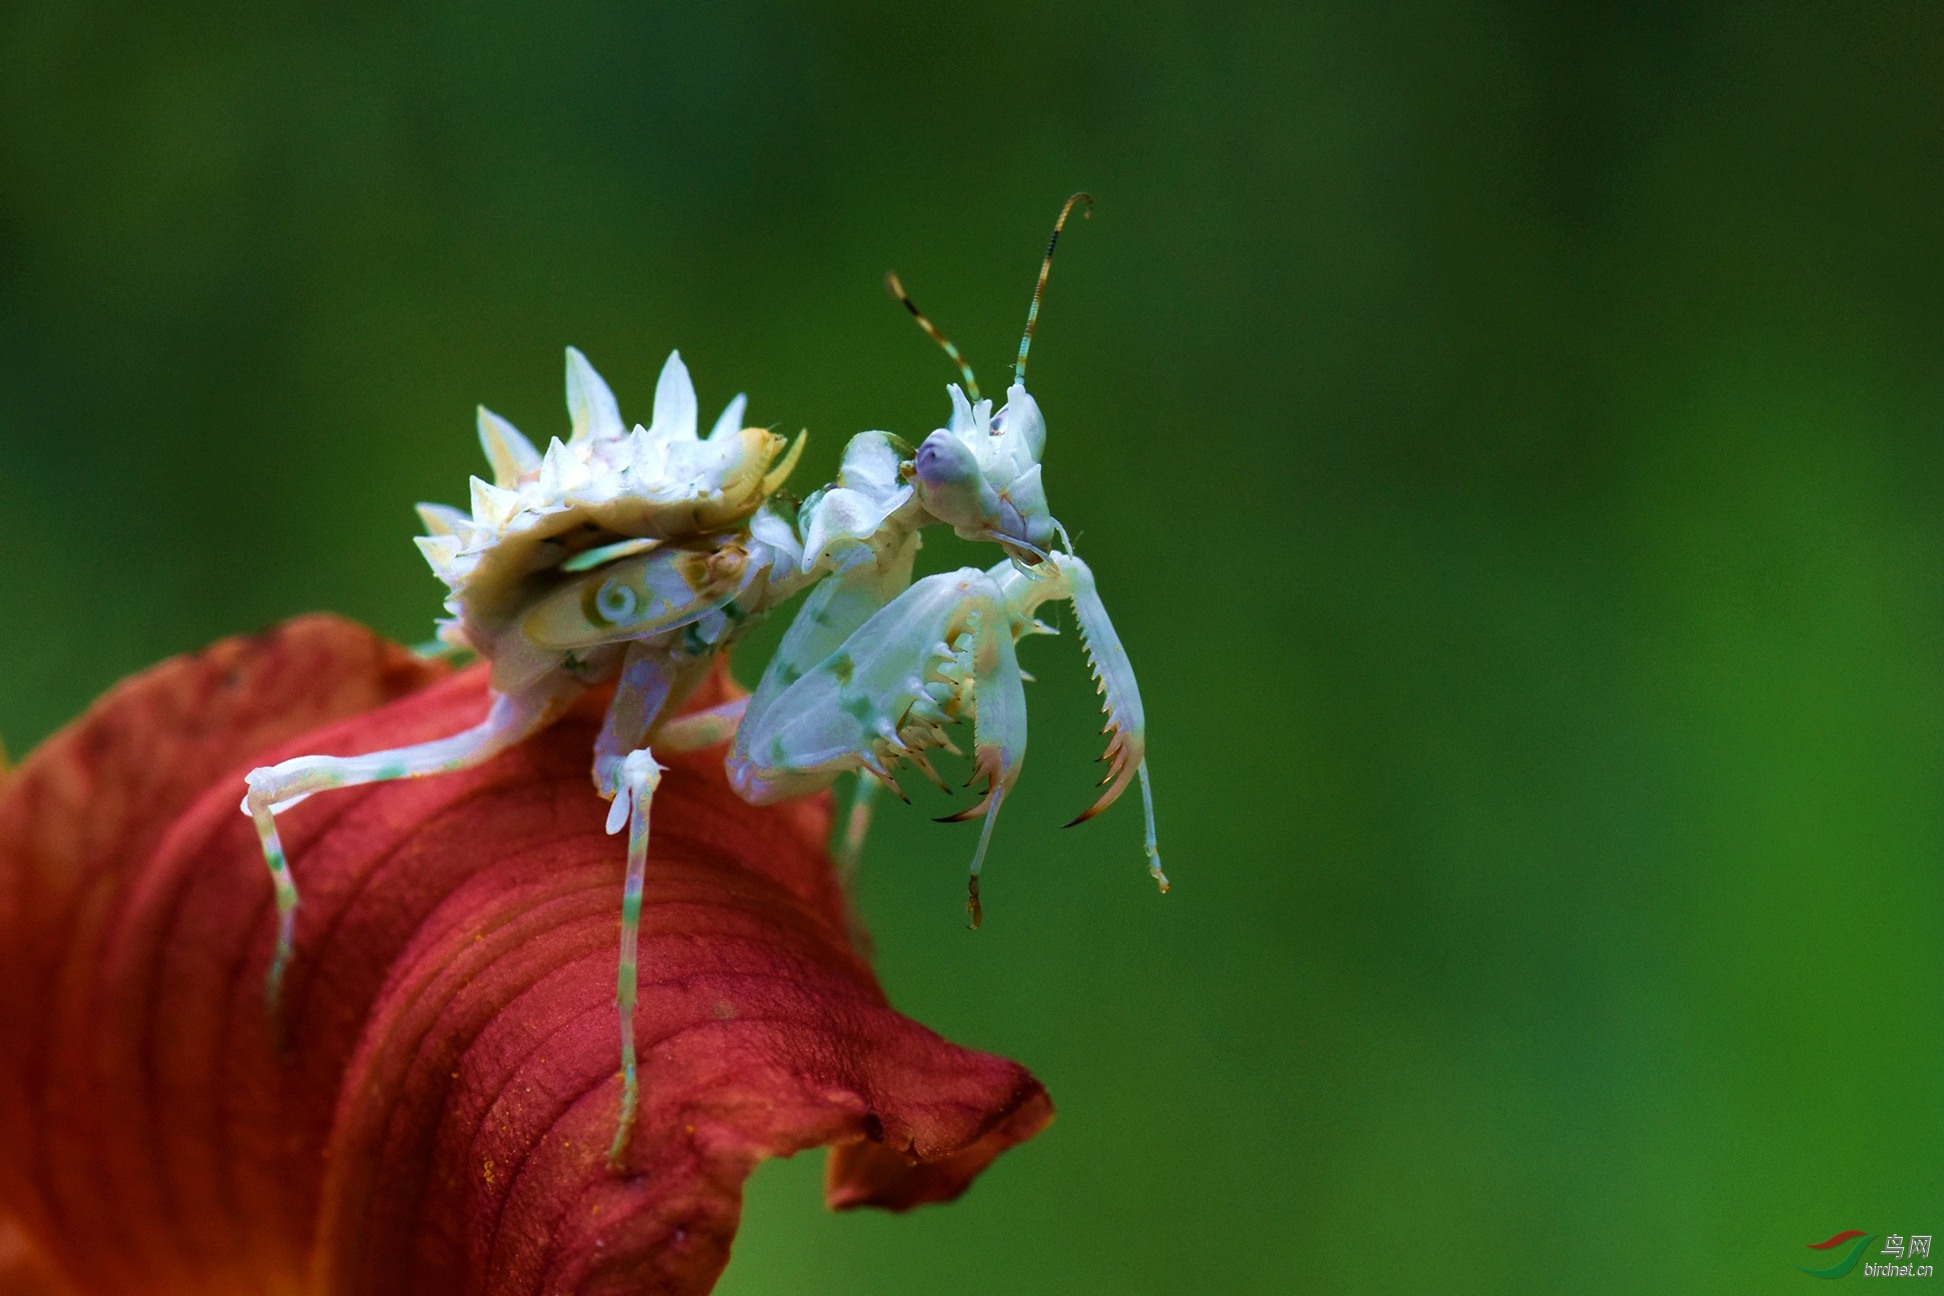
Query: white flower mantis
[{"x": 637, "y": 556}]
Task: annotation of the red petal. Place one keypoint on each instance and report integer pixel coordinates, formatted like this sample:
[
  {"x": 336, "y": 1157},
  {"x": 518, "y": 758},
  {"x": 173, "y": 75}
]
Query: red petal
[{"x": 439, "y": 1118}]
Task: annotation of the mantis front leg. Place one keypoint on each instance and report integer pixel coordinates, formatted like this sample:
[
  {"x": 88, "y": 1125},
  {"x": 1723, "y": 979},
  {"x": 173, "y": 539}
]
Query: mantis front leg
[
  {"x": 940, "y": 651},
  {"x": 511, "y": 719},
  {"x": 834, "y": 611},
  {"x": 1126, "y": 755}
]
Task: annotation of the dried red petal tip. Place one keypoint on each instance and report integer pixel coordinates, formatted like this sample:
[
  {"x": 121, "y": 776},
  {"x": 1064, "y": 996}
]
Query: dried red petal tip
[{"x": 440, "y": 1121}]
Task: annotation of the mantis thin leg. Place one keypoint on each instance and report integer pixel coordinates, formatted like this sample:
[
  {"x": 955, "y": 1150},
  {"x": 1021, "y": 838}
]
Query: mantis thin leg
[
  {"x": 710, "y": 727},
  {"x": 850, "y": 848},
  {"x": 640, "y": 776},
  {"x": 974, "y": 912},
  {"x": 510, "y": 720},
  {"x": 641, "y": 694},
  {"x": 849, "y": 853},
  {"x": 1153, "y": 847},
  {"x": 625, "y": 772}
]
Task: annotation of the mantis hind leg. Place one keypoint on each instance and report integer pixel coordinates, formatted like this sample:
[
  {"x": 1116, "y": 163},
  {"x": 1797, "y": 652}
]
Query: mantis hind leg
[{"x": 509, "y": 721}]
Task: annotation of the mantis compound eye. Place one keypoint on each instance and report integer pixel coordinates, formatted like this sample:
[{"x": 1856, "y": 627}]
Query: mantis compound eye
[
  {"x": 944, "y": 463},
  {"x": 613, "y": 604},
  {"x": 953, "y": 486}
]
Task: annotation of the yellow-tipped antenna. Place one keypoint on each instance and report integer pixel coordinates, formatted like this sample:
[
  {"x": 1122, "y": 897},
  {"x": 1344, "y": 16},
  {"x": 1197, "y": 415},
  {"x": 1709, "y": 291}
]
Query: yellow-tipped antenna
[
  {"x": 931, "y": 330},
  {"x": 1032, "y": 312}
]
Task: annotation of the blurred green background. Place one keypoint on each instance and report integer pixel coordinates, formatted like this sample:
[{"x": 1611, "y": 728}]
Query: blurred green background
[{"x": 1508, "y": 437}]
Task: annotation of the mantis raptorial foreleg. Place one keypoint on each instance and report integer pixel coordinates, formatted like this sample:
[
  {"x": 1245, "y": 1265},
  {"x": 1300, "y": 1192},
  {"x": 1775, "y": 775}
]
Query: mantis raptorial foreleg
[
  {"x": 510, "y": 720},
  {"x": 940, "y": 651},
  {"x": 1126, "y": 755},
  {"x": 998, "y": 698},
  {"x": 831, "y": 613}
]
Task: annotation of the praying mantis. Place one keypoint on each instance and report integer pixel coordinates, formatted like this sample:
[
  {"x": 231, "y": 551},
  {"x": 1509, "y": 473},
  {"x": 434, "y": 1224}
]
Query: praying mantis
[{"x": 639, "y": 556}]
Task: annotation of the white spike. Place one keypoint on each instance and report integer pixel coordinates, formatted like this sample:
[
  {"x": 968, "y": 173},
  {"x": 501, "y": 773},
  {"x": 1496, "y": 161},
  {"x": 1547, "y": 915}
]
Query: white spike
[
  {"x": 511, "y": 455},
  {"x": 731, "y": 421},
  {"x": 441, "y": 519},
  {"x": 674, "y": 402},
  {"x": 439, "y": 552},
  {"x": 646, "y": 458},
  {"x": 553, "y": 470},
  {"x": 492, "y": 506},
  {"x": 589, "y": 402},
  {"x": 471, "y": 535}
]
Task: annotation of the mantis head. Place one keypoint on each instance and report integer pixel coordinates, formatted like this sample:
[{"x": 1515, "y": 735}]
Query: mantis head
[{"x": 980, "y": 473}]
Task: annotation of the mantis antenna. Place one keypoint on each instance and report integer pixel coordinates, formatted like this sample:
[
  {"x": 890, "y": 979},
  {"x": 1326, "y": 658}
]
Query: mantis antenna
[
  {"x": 931, "y": 331},
  {"x": 1032, "y": 312}
]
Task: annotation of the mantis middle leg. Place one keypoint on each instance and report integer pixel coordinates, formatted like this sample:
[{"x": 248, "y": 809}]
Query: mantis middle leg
[
  {"x": 626, "y": 770},
  {"x": 857, "y": 822}
]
